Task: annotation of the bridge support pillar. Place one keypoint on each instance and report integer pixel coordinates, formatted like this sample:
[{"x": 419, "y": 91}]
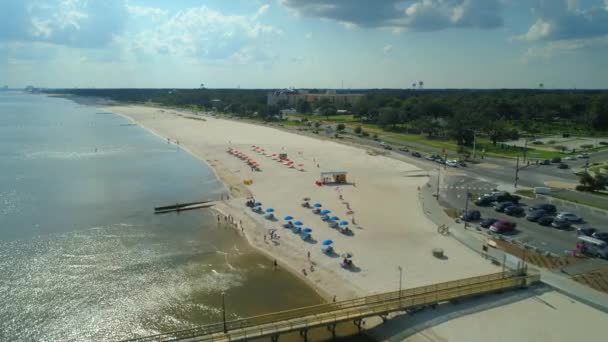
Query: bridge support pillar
[
  {"x": 274, "y": 338},
  {"x": 332, "y": 329},
  {"x": 304, "y": 334},
  {"x": 358, "y": 322}
]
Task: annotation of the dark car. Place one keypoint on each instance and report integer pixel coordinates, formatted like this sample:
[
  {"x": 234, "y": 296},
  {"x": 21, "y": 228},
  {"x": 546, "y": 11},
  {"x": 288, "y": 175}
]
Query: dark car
[
  {"x": 403, "y": 149},
  {"x": 387, "y": 147},
  {"x": 506, "y": 197},
  {"x": 486, "y": 223},
  {"x": 545, "y": 162},
  {"x": 548, "y": 208},
  {"x": 535, "y": 215},
  {"x": 556, "y": 160},
  {"x": 560, "y": 223},
  {"x": 462, "y": 163},
  {"x": 484, "y": 201},
  {"x": 471, "y": 215},
  {"x": 587, "y": 231},
  {"x": 501, "y": 206},
  {"x": 416, "y": 154},
  {"x": 514, "y": 210},
  {"x": 563, "y": 166},
  {"x": 601, "y": 236},
  {"x": 545, "y": 220},
  {"x": 503, "y": 226}
]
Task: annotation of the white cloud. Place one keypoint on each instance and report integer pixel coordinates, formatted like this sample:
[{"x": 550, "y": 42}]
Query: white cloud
[
  {"x": 153, "y": 13},
  {"x": 387, "y": 49},
  {"x": 561, "y": 47},
  {"x": 261, "y": 11},
  {"x": 206, "y": 34}
]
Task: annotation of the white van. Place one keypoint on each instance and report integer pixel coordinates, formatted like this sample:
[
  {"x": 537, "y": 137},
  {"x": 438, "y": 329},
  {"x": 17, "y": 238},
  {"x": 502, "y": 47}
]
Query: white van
[{"x": 594, "y": 246}]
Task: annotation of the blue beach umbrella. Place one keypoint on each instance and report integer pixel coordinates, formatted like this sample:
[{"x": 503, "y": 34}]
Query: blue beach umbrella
[
  {"x": 257, "y": 204},
  {"x": 307, "y": 230},
  {"x": 344, "y": 223},
  {"x": 317, "y": 205},
  {"x": 334, "y": 218},
  {"x": 298, "y": 223},
  {"x": 270, "y": 210},
  {"x": 325, "y": 211},
  {"x": 327, "y": 242},
  {"x": 288, "y": 218}
]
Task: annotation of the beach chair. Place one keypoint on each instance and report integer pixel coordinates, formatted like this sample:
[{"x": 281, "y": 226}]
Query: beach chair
[
  {"x": 269, "y": 216},
  {"x": 327, "y": 249},
  {"x": 333, "y": 224},
  {"x": 316, "y": 211},
  {"x": 306, "y": 236},
  {"x": 324, "y": 218}
]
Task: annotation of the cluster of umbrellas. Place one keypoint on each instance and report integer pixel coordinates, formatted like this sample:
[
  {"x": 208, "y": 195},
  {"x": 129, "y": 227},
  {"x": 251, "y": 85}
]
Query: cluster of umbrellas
[
  {"x": 345, "y": 255},
  {"x": 275, "y": 156},
  {"x": 250, "y": 161}
]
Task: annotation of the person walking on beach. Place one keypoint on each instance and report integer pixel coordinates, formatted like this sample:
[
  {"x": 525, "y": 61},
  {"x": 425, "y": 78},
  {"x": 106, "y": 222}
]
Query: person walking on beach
[
  {"x": 275, "y": 264},
  {"x": 308, "y": 255}
]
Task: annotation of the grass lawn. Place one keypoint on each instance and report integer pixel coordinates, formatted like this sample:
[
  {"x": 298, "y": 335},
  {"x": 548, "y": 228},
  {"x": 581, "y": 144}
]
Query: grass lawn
[{"x": 589, "y": 202}]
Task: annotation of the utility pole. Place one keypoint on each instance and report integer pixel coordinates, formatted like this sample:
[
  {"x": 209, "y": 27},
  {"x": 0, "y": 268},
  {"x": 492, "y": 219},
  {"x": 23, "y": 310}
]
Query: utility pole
[
  {"x": 400, "y": 280},
  {"x": 466, "y": 208},
  {"x": 224, "y": 312},
  {"x": 438, "y": 175},
  {"x": 586, "y": 165},
  {"x": 525, "y": 149},
  {"x": 517, "y": 171},
  {"x": 474, "y": 144}
]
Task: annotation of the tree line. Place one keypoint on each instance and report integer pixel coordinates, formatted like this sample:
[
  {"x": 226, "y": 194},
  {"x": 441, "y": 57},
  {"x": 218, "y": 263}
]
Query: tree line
[{"x": 458, "y": 114}]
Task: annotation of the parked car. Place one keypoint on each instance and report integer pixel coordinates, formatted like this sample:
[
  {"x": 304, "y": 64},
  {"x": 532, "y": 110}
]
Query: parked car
[
  {"x": 570, "y": 158},
  {"x": 471, "y": 215},
  {"x": 486, "y": 223},
  {"x": 416, "y": 154},
  {"x": 545, "y": 220},
  {"x": 403, "y": 149},
  {"x": 560, "y": 223},
  {"x": 462, "y": 163},
  {"x": 451, "y": 163},
  {"x": 431, "y": 157},
  {"x": 514, "y": 210},
  {"x": 556, "y": 160},
  {"x": 545, "y": 162},
  {"x": 594, "y": 247},
  {"x": 388, "y": 147},
  {"x": 582, "y": 156},
  {"x": 569, "y": 216},
  {"x": 563, "y": 166},
  {"x": 503, "y": 226},
  {"x": 535, "y": 215},
  {"x": 601, "y": 236},
  {"x": 548, "y": 208},
  {"x": 484, "y": 201},
  {"x": 588, "y": 231},
  {"x": 503, "y": 196},
  {"x": 501, "y": 206}
]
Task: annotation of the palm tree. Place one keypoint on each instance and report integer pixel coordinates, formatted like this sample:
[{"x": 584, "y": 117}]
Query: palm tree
[
  {"x": 541, "y": 86},
  {"x": 420, "y": 84},
  {"x": 414, "y": 85},
  {"x": 202, "y": 85}
]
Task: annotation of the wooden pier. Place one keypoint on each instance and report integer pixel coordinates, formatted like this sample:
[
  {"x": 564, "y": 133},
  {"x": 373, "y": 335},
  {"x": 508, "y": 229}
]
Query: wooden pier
[
  {"x": 355, "y": 310},
  {"x": 183, "y": 207}
]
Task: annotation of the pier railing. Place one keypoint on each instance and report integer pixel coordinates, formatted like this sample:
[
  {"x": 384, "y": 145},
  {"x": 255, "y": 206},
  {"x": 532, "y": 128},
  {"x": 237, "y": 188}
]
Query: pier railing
[{"x": 305, "y": 318}]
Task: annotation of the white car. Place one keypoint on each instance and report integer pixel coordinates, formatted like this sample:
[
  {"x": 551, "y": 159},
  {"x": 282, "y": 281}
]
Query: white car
[
  {"x": 451, "y": 163},
  {"x": 569, "y": 216},
  {"x": 582, "y": 156},
  {"x": 570, "y": 158}
]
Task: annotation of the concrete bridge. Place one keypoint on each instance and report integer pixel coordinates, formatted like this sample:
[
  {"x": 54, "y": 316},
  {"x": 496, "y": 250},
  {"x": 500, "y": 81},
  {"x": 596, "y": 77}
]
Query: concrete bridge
[{"x": 329, "y": 315}]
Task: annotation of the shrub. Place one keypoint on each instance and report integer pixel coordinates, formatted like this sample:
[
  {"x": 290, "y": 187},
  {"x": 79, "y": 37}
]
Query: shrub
[
  {"x": 560, "y": 147},
  {"x": 358, "y": 129},
  {"x": 565, "y": 135},
  {"x": 551, "y": 142},
  {"x": 375, "y": 136},
  {"x": 364, "y": 133},
  {"x": 340, "y": 127},
  {"x": 537, "y": 142},
  {"x": 604, "y": 143},
  {"x": 587, "y": 146},
  {"x": 582, "y": 188}
]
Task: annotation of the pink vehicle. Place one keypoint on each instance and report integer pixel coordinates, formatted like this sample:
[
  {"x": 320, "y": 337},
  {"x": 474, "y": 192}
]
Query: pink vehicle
[{"x": 503, "y": 226}]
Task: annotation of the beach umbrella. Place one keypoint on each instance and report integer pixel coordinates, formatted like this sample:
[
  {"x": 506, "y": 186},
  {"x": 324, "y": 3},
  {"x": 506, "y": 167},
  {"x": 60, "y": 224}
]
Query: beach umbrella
[
  {"x": 298, "y": 223},
  {"x": 346, "y": 255},
  {"x": 306, "y": 199},
  {"x": 270, "y": 210},
  {"x": 288, "y": 218},
  {"x": 344, "y": 223},
  {"x": 257, "y": 204},
  {"x": 325, "y": 211},
  {"x": 327, "y": 242},
  {"x": 334, "y": 218},
  {"x": 307, "y": 230},
  {"x": 317, "y": 205}
]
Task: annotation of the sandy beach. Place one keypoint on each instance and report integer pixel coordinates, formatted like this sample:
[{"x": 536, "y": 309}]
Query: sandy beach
[{"x": 391, "y": 228}]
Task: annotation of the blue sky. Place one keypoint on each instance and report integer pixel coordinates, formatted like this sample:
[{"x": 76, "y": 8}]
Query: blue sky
[{"x": 304, "y": 43}]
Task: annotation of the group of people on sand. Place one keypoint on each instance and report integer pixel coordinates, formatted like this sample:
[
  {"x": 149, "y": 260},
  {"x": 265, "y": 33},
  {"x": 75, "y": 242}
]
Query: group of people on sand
[{"x": 250, "y": 202}]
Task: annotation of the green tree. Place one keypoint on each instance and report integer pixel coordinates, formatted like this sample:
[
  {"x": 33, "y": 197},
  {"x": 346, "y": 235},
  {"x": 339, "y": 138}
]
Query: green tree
[
  {"x": 303, "y": 107},
  {"x": 358, "y": 129},
  {"x": 388, "y": 116},
  {"x": 340, "y": 127}
]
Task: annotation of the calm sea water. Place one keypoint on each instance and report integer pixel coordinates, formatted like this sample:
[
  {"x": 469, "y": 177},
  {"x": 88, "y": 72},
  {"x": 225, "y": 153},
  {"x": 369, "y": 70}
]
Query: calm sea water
[{"x": 83, "y": 257}]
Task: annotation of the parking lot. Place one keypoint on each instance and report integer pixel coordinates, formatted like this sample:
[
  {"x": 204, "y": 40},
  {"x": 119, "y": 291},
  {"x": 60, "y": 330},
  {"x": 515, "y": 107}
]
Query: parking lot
[{"x": 546, "y": 238}]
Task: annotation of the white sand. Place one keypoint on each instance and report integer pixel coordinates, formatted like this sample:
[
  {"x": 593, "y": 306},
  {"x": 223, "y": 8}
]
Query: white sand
[{"x": 391, "y": 228}]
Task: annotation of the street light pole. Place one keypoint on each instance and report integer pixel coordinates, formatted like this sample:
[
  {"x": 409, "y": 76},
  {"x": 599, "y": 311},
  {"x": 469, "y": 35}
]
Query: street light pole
[
  {"x": 438, "y": 176},
  {"x": 400, "y": 279},
  {"x": 224, "y": 312},
  {"x": 516, "y": 172},
  {"x": 466, "y": 208},
  {"x": 474, "y": 144}
]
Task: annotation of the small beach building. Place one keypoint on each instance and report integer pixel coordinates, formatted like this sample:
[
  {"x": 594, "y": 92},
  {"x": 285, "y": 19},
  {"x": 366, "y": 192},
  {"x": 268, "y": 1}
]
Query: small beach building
[{"x": 333, "y": 177}]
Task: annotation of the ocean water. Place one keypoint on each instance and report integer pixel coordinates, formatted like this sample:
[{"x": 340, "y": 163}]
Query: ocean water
[{"x": 83, "y": 257}]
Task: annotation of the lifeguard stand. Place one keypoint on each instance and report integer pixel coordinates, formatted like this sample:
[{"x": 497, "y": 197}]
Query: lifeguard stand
[{"x": 334, "y": 177}]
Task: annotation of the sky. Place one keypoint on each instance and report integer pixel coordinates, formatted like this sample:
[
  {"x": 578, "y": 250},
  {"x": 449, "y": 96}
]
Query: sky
[{"x": 304, "y": 43}]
